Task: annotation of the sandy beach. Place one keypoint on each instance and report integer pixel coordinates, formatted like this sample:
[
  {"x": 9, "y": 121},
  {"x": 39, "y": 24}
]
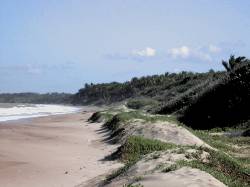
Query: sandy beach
[{"x": 53, "y": 151}]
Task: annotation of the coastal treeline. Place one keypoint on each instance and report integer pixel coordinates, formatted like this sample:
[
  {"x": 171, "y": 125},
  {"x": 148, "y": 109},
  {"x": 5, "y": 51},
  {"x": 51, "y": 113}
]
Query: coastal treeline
[
  {"x": 48, "y": 98},
  {"x": 225, "y": 102},
  {"x": 162, "y": 88},
  {"x": 201, "y": 100}
]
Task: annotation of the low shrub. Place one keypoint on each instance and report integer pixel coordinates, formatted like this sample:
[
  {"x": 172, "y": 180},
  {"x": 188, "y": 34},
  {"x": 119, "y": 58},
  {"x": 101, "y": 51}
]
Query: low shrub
[
  {"x": 142, "y": 103},
  {"x": 137, "y": 146}
]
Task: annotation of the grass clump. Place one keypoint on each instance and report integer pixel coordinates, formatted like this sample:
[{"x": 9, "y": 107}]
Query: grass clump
[
  {"x": 137, "y": 146},
  {"x": 236, "y": 146},
  {"x": 118, "y": 172},
  {"x": 223, "y": 167},
  {"x": 133, "y": 149},
  {"x": 172, "y": 167}
]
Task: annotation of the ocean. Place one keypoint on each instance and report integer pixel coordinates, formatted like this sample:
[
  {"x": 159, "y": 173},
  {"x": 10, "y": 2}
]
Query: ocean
[{"x": 21, "y": 111}]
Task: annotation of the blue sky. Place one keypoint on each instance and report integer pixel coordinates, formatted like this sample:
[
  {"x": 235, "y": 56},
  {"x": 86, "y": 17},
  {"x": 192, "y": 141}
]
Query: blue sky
[{"x": 58, "y": 45}]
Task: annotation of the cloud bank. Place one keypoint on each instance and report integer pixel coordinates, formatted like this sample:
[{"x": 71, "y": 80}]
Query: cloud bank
[
  {"x": 147, "y": 52},
  {"x": 202, "y": 53},
  {"x": 199, "y": 53}
]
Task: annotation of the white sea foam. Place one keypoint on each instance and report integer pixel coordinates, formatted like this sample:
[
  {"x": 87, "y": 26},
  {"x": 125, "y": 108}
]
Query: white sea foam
[{"x": 37, "y": 110}]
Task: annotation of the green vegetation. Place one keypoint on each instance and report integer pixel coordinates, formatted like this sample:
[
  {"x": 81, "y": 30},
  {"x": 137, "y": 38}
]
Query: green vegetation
[
  {"x": 222, "y": 167},
  {"x": 161, "y": 88},
  {"x": 199, "y": 100},
  {"x": 117, "y": 123},
  {"x": 133, "y": 115},
  {"x": 48, "y": 98},
  {"x": 213, "y": 105},
  {"x": 230, "y": 164},
  {"x": 133, "y": 149},
  {"x": 170, "y": 168},
  {"x": 137, "y": 146},
  {"x": 233, "y": 62},
  {"x": 142, "y": 103},
  {"x": 237, "y": 147},
  {"x": 222, "y": 104}
]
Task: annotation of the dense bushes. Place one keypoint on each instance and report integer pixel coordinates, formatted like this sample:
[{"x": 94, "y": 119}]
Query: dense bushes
[
  {"x": 224, "y": 103},
  {"x": 160, "y": 88},
  {"x": 180, "y": 101}
]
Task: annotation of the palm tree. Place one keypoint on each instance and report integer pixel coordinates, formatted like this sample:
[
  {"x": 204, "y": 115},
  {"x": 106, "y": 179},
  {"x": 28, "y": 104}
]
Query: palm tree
[{"x": 233, "y": 62}]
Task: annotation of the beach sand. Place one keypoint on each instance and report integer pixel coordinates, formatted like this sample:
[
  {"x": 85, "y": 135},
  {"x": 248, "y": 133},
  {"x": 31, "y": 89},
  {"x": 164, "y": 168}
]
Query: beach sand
[{"x": 52, "y": 151}]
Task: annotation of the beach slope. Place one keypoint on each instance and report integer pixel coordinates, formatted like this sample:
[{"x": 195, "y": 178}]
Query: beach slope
[{"x": 60, "y": 150}]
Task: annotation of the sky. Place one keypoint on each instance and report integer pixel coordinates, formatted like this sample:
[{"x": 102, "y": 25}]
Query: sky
[{"x": 59, "y": 45}]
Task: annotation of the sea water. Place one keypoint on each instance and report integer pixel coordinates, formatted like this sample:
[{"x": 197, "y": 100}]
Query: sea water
[{"x": 21, "y": 111}]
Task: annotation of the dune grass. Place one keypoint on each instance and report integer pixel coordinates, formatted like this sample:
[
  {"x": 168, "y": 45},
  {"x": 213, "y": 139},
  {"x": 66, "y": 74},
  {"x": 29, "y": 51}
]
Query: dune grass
[
  {"x": 223, "y": 167},
  {"x": 133, "y": 149},
  {"x": 222, "y": 164}
]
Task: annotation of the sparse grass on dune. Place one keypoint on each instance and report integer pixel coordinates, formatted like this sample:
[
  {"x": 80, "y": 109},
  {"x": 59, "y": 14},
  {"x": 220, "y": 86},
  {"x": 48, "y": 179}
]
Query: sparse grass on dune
[
  {"x": 223, "y": 164},
  {"x": 223, "y": 167},
  {"x": 133, "y": 115},
  {"x": 133, "y": 149},
  {"x": 237, "y": 147},
  {"x": 125, "y": 116},
  {"x": 218, "y": 101}
]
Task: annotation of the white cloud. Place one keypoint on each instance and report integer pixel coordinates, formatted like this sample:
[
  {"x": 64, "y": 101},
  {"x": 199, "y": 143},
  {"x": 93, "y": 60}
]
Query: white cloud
[
  {"x": 214, "y": 49},
  {"x": 185, "y": 52},
  {"x": 206, "y": 53},
  {"x": 147, "y": 52}
]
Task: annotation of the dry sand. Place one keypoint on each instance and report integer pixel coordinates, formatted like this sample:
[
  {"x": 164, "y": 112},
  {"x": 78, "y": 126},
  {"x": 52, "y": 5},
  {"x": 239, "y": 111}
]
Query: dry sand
[
  {"x": 53, "y": 151},
  {"x": 185, "y": 176}
]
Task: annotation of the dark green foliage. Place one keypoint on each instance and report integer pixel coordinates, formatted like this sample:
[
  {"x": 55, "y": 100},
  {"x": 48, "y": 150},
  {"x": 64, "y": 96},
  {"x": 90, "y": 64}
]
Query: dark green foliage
[
  {"x": 95, "y": 117},
  {"x": 234, "y": 62},
  {"x": 180, "y": 101},
  {"x": 113, "y": 123},
  {"x": 161, "y": 88},
  {"x": 200, "y": 100},
  {"x": 100, "y": 117},
  {"x": 48, "y": 98},
  {"x": 224, "y": 103}
]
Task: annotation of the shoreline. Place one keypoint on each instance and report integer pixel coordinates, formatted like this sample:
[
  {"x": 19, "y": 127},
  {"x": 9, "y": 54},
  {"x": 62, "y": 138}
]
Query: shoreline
[
  {"x": 56, "y": 150},
  {"x": 17, "y": 117}
]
